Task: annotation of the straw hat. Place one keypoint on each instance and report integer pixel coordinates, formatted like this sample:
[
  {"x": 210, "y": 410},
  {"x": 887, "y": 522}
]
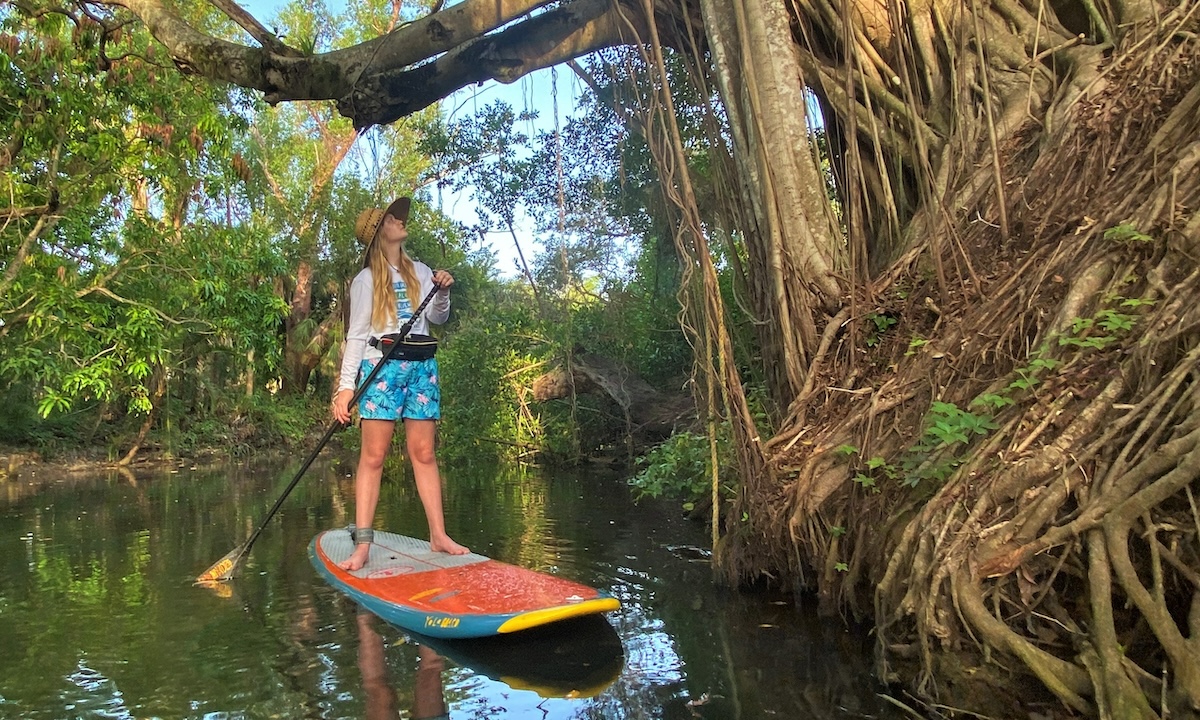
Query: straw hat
[{"x": 369, "y": 220}]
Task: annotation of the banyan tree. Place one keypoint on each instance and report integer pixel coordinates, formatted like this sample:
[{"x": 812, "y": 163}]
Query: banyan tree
[{"x": 977, "y": 299}]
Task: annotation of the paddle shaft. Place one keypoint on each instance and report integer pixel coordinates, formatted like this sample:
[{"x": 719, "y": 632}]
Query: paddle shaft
[{"x": 337, "y": 425}]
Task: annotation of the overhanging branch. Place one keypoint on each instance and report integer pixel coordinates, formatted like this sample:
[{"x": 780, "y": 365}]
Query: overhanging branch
[
  {"x": 394, "y": 75},
  {"x": 553, "y": 37}
]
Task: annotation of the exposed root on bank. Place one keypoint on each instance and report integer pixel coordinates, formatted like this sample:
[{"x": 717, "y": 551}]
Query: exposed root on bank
[{"x": 1012, "y": 474}]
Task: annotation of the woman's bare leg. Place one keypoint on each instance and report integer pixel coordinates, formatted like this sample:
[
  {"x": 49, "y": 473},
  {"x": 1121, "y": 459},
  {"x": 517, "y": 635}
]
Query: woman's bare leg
[
  {"x": 376, "y": 438},
  {"x": 420, "y": 437}
]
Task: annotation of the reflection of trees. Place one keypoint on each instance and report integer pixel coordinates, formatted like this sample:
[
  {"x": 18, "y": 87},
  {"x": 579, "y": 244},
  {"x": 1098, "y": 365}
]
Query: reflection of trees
[
  {"x": 98, "y": 588},
  {"x": 30, "y": 483},
  {"x": 506, "y": 503},
  {"x": 95, "y": 585}
]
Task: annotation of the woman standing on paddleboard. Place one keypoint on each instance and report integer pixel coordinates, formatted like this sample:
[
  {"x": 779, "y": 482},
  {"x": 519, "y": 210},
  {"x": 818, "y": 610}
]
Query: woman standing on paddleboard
[{"x": 382, "y": 297}]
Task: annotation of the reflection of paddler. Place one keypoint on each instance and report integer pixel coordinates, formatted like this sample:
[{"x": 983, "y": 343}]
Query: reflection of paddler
[
  {"x": 429, "y": 702},
  {"x": 381, "y": 698}
]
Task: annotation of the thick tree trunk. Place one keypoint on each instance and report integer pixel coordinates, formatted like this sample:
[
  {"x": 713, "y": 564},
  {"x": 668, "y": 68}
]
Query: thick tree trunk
[
  {"x": 1057, "y": 309},
  {"x": 780, "y": 202},
  {"x": 304, "y": 344},
  {"x": 295, "y": 379}
]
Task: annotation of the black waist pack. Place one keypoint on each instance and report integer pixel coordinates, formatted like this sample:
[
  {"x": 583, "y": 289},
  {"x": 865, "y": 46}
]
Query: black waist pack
[{"x": 413, "y": 347}]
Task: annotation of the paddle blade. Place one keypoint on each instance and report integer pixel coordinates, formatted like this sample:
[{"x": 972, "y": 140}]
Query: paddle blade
[{"x": 223, "y": 569}]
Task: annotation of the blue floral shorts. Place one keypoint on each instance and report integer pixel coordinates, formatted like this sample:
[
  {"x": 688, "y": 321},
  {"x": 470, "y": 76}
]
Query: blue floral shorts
[{"x": 402, "y": 389}]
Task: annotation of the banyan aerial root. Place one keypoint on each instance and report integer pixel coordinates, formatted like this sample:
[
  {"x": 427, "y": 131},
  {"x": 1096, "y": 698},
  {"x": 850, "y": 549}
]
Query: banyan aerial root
[{"x": 1007, "y": 473}]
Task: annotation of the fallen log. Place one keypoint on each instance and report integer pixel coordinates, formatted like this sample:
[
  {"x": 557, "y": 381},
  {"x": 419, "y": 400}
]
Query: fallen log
[{"x": 650, "y": 415}]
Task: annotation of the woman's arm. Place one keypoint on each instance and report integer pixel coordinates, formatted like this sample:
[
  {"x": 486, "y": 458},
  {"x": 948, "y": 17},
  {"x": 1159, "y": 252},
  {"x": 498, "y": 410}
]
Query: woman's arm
[{"x": 358, "y": 329}]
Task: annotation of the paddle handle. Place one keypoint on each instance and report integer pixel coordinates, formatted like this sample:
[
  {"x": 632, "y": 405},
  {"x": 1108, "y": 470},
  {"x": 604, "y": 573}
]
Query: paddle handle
[{"x": 337, "y": 425}]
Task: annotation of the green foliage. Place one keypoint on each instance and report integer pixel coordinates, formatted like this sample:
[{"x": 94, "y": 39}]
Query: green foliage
[
  {"x": 1080, "y": 336},
  {"x": 915, "y": 344},
  {"x": 486, "y": 363},
  {"x": 637, "y": 326},
  {"x": 948, "y": 425},
  {"x": 993, "y": 401},
  {"x": 486, "y": 155},
  {"x": 152, "y": 271},
  {"x": 1126, "y": 234},
  {"x": 948, "y": 428},
  {"x": 185, "y": 216},
  {"x": 81, "y": 311},
  {"x": 21, "y": 425},
  {"x": 1114, "y": 324},
  {"x": 1027, "y": 378},
  {"x": 242, "y": 425},
  {"x": 174, "y": 236},
  {"x": 1113, "y": 321},
  {"x": 872, "y": 471},
  {"x": 681, "y": 467},
  {"x": 947, "y": 431},
  {"x": 877, "y": 325},
  {"x": 604, "y": 283},
  {"x": 865, "y": 481}
]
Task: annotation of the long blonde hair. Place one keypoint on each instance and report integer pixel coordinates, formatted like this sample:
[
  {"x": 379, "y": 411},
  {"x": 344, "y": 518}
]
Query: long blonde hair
[{"x": 383, "y": 295}]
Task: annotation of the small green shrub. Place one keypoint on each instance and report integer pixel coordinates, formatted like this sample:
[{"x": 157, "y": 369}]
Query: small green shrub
[
  {"x": 680, "y": 467},
  {"x": 879, "y": 324}
]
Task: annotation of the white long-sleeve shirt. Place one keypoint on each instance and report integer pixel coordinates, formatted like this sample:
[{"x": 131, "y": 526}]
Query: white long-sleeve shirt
[{"x": 359, "y": 330}]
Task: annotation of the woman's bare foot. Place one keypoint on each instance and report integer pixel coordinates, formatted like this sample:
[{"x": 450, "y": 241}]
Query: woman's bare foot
[
  {"x": 357, "y": 559},
  {"x": 446, "y": 545}
]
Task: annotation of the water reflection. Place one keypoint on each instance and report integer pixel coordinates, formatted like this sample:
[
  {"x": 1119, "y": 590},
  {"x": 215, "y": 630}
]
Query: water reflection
[
  {"x": 575, "y": 659},
  {"x": 98, "y": 617},
  {"x": 429, "y": 698}
]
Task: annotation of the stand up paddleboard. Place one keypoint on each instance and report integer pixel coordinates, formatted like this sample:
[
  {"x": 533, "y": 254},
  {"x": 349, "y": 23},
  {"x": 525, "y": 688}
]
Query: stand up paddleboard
[{"x": 450, "y": 596}]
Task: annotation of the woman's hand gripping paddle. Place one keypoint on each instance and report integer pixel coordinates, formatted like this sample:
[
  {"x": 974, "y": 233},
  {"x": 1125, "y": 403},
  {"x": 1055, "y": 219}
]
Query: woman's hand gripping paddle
[{"x": 224, "y": 569}]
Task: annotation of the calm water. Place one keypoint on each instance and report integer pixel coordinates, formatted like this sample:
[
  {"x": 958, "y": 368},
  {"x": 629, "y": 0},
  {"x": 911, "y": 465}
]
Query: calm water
[{"x": 98, "y": 616}]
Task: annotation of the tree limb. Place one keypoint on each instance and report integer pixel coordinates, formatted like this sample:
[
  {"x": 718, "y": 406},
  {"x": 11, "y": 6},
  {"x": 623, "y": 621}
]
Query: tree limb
[
  {"x": 282, "y": 75},
  {"x": 566, "y": 32},
  {"x": 248, "y": 23}
]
